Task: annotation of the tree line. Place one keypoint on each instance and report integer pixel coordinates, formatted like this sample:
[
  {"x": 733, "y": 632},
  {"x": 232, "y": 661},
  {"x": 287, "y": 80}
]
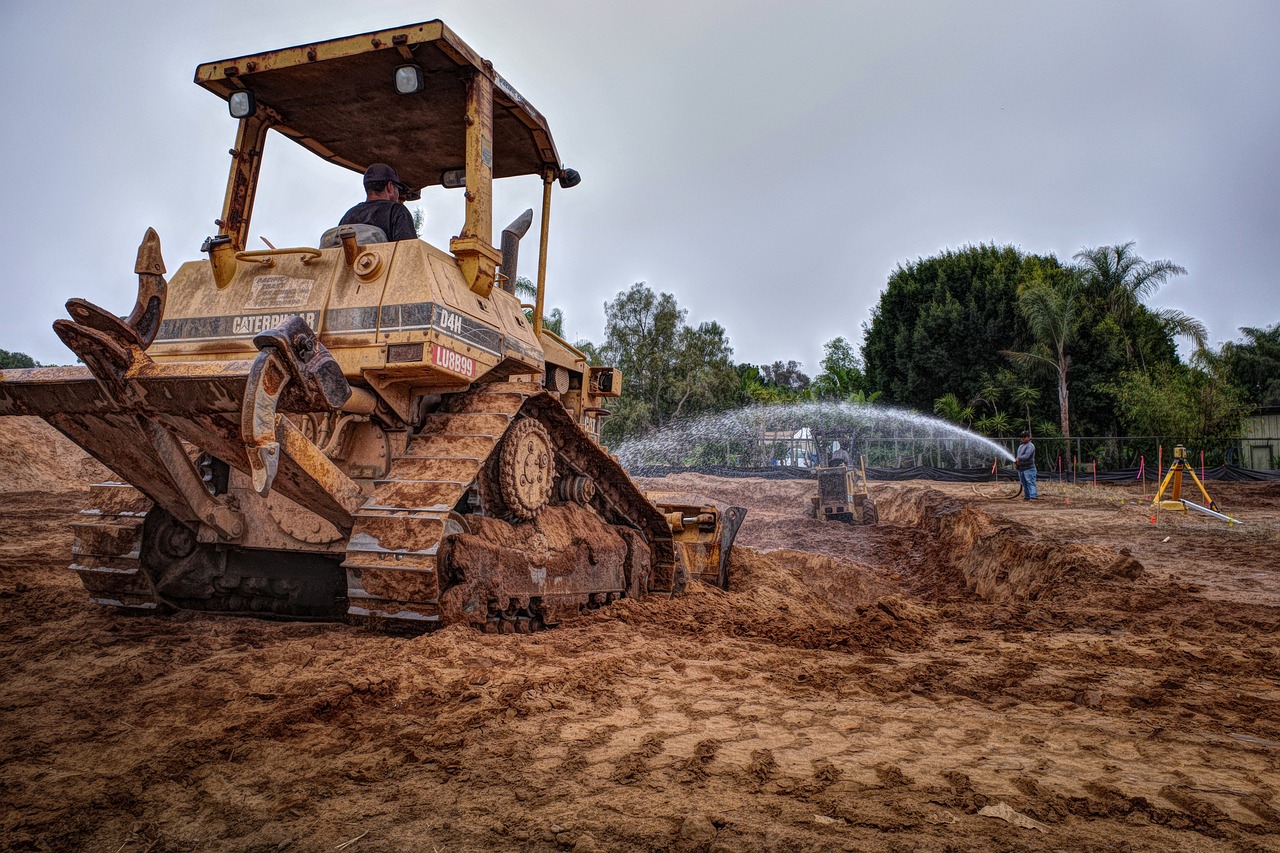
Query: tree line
[
  {"x": 989, "y": 337},
  {"x": 12, "y": 360}
]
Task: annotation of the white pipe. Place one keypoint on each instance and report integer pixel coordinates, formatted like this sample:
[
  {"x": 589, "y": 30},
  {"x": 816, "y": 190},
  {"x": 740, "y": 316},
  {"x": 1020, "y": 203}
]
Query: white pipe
[{"x": 1189, "y": 505}]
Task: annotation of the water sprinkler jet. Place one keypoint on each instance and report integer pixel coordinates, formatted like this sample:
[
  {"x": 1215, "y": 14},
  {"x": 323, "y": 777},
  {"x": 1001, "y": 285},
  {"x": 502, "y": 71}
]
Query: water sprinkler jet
[{"x": 710, "y": 439}]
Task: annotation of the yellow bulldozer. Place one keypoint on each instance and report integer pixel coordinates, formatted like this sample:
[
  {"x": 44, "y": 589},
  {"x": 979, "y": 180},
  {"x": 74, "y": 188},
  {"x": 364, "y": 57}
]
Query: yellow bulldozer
[
  {"x": 843, "y": 494},
  {"x": 368, "y": 430}
]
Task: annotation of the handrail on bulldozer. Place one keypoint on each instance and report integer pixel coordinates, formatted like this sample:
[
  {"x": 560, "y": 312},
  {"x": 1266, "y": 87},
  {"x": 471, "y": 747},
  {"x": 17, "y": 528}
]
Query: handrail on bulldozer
[
  {"x": 267, "y": 259},
  {"x": 570, "y": 347}
]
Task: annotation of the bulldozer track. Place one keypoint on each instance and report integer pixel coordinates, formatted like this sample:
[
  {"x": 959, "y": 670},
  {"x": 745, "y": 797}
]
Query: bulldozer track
[
  {"x": 108, "y": 541},
  {"x": 393, "y": 560},
  {"x": 391, "y": 563},
  {"x": 108, "y": 555},
  {"x": 393, "y": 556}
]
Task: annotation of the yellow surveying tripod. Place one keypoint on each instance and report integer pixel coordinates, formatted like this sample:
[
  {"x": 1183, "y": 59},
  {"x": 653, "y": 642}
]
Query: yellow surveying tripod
[{"x": 1174, "y": 477}]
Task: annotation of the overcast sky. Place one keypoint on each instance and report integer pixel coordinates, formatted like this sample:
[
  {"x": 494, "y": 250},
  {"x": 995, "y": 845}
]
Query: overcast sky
[{"x": 769, "y": 164}]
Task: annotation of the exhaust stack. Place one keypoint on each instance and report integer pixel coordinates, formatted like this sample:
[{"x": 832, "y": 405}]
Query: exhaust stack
[{"x": 511, "y": 248}]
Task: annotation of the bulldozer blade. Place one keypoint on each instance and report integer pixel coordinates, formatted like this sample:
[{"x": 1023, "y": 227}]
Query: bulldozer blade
[
  {"x": 704, "y": 530},
  {"x": 201, "y": 403}
]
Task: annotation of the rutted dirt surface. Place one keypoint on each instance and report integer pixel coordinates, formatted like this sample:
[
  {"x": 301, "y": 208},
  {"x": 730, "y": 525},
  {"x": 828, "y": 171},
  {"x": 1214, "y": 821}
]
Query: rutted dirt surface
[{"x": 974, "y": 673}]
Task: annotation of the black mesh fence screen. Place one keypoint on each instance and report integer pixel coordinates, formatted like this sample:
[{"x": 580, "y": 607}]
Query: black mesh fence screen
[{"x": 1082, "y": 459}]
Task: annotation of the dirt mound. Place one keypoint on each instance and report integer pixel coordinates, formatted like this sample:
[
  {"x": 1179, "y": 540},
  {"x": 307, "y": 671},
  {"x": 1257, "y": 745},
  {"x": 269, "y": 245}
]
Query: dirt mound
[
  {"x": 996, "y": 559},
  {"x": 793, "y": 599},
  {"x": 755, "y": 493},
  {"x": 927, "y": 543},
  {"x": 36, "y": 457}
]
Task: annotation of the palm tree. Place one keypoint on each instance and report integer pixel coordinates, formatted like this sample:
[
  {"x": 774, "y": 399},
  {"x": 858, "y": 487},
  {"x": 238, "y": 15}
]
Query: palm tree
[
  {"x": 1049, "y": 306},
  {"x": 553, "y": 322},
  {"x": 995, "y": 425},
  {"x": 1125, "y": 281},
  {"x": 1026, "y": 395},
  {"x": 990, "y": 393},
  {"x": 949, "y": 408}
]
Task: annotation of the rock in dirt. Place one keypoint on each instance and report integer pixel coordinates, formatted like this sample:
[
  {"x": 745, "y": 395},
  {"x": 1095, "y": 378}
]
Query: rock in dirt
[
  {"x": 1005, "y": 812},
  {"x": 696, "y": 829}
]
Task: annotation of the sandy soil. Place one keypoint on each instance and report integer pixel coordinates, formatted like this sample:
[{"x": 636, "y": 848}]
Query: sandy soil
[{"x": 974, "y": 673}]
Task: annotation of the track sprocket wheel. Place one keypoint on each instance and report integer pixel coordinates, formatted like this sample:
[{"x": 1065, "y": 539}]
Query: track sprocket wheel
[{"x": 526, "y": 468}]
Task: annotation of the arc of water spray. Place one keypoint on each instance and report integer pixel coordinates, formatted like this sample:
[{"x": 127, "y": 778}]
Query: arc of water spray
[{"x": 867, "y": 421}]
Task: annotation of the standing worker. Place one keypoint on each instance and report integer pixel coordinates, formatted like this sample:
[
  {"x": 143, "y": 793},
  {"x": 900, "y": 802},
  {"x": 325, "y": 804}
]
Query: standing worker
[{"x": 1025, "y": 462}]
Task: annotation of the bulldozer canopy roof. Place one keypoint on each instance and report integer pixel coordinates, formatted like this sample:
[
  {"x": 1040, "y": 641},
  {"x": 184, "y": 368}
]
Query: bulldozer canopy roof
[{"x": 338, "y": 99}]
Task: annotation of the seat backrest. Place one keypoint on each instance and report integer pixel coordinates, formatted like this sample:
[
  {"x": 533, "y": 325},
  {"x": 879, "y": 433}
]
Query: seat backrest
[{"x": 365, "y": 234}]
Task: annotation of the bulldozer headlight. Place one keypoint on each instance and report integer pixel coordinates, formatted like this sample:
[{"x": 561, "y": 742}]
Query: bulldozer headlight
[
  {"x": 569, "y": 178},
  {"x": 241, "y": 104},
  {"x": 408, "y": 79}
]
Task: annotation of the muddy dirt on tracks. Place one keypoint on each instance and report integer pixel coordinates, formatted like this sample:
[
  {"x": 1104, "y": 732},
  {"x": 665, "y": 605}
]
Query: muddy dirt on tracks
[{"x": 972, "y": 674}]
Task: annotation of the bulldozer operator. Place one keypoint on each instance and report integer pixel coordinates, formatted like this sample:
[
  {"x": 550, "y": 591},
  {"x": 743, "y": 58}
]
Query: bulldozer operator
[
  {"x": 839, "y": 456},
  {"x": 382, "y": 207}
]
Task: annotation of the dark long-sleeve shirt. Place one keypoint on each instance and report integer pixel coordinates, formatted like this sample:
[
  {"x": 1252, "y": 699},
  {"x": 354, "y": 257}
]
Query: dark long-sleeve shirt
[{"x": 391, "y": 216}]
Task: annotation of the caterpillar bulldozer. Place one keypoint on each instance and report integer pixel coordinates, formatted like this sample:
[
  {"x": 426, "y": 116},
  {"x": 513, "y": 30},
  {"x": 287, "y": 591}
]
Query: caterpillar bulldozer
[
  {"x": 843, "y": 494},
  {"x": 365, "y": 430}
]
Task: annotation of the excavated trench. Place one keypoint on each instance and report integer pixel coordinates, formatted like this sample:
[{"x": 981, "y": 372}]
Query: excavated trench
[
  {"x": 997, "y": 560},
  {"x": 813, "y": 584}
]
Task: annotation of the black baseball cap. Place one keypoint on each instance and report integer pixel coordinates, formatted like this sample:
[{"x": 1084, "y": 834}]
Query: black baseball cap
[{"x": 380, "y": 173}]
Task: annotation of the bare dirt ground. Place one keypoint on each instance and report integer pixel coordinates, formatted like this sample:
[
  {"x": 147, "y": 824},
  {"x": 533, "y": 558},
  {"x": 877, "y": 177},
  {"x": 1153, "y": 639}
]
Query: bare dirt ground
[{"x": 974, "y": 673}]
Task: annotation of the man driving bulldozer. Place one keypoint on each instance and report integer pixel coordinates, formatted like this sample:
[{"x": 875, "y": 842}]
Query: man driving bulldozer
[
  {"x": 839, "y": 456},
  {"x": 382, "y": 207}
]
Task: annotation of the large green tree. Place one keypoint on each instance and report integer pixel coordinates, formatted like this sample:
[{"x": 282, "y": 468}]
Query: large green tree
[
  {"x": 1182, "y": 401},
  {"x": 10, "y": 360},
  {"x": 670, "y": 370},
  {"x": 1253, "y": 365},
  {"x": 787, "y": 377},
  {"x": 778, "y": 382},
  {"x": 841, "y": 376},
  {"x": 942, "y": 322}
]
